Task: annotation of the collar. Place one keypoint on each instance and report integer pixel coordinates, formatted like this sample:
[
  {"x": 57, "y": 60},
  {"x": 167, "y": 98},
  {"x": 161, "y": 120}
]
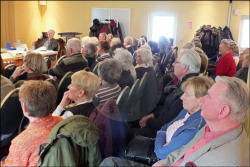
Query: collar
[{"x": 186, "y": 77}]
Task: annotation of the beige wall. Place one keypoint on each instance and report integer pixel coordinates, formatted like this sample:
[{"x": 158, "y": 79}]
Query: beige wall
[{"x": 25, "y": 20}]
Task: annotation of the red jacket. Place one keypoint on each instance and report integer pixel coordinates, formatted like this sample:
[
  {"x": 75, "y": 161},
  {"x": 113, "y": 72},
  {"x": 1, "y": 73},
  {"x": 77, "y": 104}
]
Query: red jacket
[{"x": 225, "y": 66}]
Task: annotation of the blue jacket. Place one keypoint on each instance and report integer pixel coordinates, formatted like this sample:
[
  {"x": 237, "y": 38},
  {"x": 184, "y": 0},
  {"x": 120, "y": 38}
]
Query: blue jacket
[{"x": 182, "y": 135}]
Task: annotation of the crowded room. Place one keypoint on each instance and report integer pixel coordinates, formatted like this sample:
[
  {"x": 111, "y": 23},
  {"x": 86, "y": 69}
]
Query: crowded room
[{"x": 125, "y": 83}]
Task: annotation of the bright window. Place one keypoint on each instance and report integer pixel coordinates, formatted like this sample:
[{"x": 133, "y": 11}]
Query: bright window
[
  {"x": 244, "y": 32},
  {"x": 163, "y": 26}
]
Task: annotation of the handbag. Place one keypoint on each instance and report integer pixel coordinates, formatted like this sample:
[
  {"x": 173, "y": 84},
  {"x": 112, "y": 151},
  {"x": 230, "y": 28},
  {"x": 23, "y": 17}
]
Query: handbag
[{"x": 141, "y": 149}]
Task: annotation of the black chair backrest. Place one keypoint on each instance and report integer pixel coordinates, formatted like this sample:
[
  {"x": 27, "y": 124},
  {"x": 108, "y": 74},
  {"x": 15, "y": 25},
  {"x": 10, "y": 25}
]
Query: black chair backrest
[
  {"x": 63, "y": 86},
  {"x": 11, "y": 112},
  {"x": 122, "y": 102},
  {"x": 8, "y": 70},
  {"x": 132, "y": 101}
]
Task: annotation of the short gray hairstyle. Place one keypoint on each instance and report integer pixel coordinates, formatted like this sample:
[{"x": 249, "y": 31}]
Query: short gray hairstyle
[
  {"x": 192, "y": 59},
  {"x": 74, "y": 44},
  {"x": 237, "y": 96},
  {"x": 128, "y": 40},
  {"x": 109, "y": 70},
  {"x": 146, "y": 55},
  {"x": 93, "y": 40},
  {"x": 115, "y": 41},
  {"x": 229, "y": 43},
  {"x": 51, "y": 30},
  {"x": 124, "y": 57}
]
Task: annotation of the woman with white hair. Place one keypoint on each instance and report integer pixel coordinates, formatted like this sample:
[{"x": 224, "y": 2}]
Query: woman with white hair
[
  {"x": 152, "y": 92},
  {"x": 128, "y": 71},
  {"x": 226, "y": 65},
  {"x": 144, "y": 61}
]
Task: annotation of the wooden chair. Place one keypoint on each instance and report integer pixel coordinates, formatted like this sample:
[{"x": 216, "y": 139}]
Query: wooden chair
[
  {"x": 95, "y": 69},
  {"x": 63, "y": 86},
  {"x": 62, "y": 49},
  {"x": 122, "y": 102}
]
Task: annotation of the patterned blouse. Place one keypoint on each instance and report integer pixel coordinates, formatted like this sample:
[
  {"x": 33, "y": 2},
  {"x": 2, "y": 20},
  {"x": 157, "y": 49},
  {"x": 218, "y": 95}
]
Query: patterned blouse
[{"x": 25, "y": 147}]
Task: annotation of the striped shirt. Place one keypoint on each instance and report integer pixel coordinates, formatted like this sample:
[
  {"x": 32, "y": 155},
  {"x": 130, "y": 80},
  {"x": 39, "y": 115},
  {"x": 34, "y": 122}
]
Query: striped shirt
[{"x": 108, "y": 92}]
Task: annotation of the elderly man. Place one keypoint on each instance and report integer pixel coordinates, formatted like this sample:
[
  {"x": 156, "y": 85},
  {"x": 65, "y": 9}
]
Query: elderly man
[
  {"x": 74, "y": 61},
  {"x": 223, "y": 141},
  {"x": 51, "y": 42},
  {"x": 38, "y": 99},
  {"x": 187, "y": 65}
]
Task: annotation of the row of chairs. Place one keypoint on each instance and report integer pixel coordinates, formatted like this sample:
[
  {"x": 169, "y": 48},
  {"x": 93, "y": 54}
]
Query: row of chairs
[{"x": 130, "y": 101}]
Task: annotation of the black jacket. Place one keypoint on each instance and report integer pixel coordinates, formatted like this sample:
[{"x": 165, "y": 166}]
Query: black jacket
[{"x": 171, "y": 108}]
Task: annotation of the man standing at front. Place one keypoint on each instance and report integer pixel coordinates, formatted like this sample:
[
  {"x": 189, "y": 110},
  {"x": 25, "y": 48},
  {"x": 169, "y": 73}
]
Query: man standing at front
[{"x": 223, "y": 141}]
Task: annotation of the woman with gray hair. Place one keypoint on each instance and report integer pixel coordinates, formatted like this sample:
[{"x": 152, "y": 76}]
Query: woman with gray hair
[
  {"x": 152, "y": 89},
  {"x": 109, "y": 71},
  {"x": 128, "y": 71},
  {"x": 89, "y": 51},
  {"x": 226, "y": 65}
]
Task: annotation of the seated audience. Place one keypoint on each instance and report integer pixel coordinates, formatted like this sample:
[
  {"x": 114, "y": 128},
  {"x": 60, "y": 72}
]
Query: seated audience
[
  {"x": 223, "y": 141},
  {"x": 184, "y": 127},
  {"x": 226, "y": 65},
  {"x": 6, "y": 84},
  {"x": 38, "y": 99},
  {"x": 82, "y": 90},
  {"x": 102, "y": 36},
  {"x": 242, "y": 73},
  {"x": 128, "y": 71},
  {"x": 128, "y": 42},
  {"x": 186, "y": 65},
  {"x": 32, "y": 69},
  {"x": 103, "y": 51},
  {"x": 109, "y": 71},
  {"x": 74, "y": 61},
  {"x": 51, "y": 43}
]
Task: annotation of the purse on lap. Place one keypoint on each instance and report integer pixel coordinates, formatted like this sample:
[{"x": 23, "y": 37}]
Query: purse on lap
[{"x": 141, "y": 149}]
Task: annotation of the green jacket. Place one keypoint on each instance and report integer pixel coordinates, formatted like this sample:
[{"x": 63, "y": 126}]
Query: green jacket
[{"x": 72, "y": 142}]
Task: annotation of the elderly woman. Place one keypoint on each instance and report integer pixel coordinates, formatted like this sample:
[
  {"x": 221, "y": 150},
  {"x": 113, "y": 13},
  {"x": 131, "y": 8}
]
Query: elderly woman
[
  {"x": 242, "y": 73},
  {"x": 226, "y": 65},
  {"x": 204, "y": 60},
  {"x": 89, "y": 51},
  {"x": 128, "y": 71},
  {"x": 184, "y": 127},
  {"x": 82, "y": 90},
  {"x": 38, "y": 100},
  {"x": 33, "y": 68},
  {"x": 109, "y": 71},
  {"x": 153, "y": 90},
  {"x": 144, "y": 61}
]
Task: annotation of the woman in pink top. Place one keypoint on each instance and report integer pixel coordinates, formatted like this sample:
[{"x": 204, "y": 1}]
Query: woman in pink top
[{"x": 226, "y": 65}]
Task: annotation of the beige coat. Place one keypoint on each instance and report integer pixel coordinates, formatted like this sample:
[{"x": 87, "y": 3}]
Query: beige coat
[{"x": 231, "y": 149}]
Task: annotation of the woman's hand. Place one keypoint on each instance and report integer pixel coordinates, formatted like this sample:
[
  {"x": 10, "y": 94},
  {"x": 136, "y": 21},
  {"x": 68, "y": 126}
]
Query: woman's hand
[
  {"x": 18, "y": 72},
  {"x": 65, "y": 100},
  {"x": 144, "y": 120}
]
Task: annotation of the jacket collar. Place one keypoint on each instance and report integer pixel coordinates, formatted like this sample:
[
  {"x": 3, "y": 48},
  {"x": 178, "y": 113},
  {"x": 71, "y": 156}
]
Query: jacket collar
[{"x": 186, "y": 77}]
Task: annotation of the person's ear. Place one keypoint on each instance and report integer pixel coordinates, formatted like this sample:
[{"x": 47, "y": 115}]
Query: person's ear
[
  {"x": 224, "y": 112},
  {"x": 81, "y": 93},
  {"x": 24, "y": 108}
]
